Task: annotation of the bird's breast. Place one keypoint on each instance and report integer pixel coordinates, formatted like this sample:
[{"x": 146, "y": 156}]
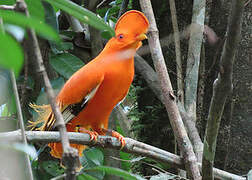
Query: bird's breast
[{"x": 115, "y": 86}]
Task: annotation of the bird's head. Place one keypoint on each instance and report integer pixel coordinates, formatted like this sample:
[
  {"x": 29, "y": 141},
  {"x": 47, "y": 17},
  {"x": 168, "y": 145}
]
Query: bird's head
[{"x": 130, "y": 30}]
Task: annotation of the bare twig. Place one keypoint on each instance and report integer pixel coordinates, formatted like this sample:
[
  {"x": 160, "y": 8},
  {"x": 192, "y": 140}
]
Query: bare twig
[
  {"x": 247, "y": 3},
  {"x": 222, "y": 87},
  {"x": 200, "y": 93},
  {"x": 180, "y": 81},
  {"x": 70, "y": 155},
  {"x": 193, "y": 58},
  {"x": 132, "y": 146},
  {"x": 21, "y": 123},
  {"x": 192, "y": 131},
  {"x": 169, "y": 98},
  {"x": 151, "y": 78},
  {"x": 7, "y": 7}
]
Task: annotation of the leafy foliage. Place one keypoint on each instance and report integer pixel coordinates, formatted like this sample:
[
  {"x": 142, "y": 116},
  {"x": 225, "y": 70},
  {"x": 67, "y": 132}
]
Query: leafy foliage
[
  {"x": 66, "y": 64},
  {"x": 14, "y": 54},
  {"x": 21, "y": 20},
  {"x": 82, "y": 14}
]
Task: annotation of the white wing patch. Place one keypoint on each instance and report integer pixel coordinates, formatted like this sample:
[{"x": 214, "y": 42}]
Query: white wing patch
[{"x": 74, "y": 109}]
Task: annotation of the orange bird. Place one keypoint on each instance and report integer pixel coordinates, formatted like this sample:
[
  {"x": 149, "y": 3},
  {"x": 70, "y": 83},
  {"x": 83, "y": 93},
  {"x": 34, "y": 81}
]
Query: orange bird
[{"x": 89, "y": 96}]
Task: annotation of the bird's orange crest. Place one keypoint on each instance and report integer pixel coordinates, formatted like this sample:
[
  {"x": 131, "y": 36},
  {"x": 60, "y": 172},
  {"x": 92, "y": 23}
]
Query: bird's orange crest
[{"x": 132, "y": 22}]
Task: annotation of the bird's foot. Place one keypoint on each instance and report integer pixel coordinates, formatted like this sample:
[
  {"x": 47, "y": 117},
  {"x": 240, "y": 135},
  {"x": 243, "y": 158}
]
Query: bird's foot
[
  {"x": 93, "y": 134},
  {"x": 116, "y": 135}
]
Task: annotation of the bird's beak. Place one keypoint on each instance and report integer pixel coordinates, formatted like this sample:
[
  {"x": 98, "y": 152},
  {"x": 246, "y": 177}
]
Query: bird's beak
[{"x": 141, "y": 37}]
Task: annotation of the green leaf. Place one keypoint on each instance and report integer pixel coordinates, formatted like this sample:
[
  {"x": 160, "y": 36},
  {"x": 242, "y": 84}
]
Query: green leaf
[
  {"x": 50, "y": 16},
  {"x": 125, "y": 165},
  {"x": 36, "y": 9},
  {"x": 61, "y": 47},
  {"x": 7, "y": 2},
  {"x": 85, "y": 177},
  {"x": 116, "y": 172},
  {"x": 66, "y": 64},
  {"x": 93, "y": 157},
  {"x": 11, "y": 54},
  {"x": 105, "y": 35},
  {"x": 52, "y": 168},
  {"x": 82, "y": 14},
  {"x": 21, "y": 20}
]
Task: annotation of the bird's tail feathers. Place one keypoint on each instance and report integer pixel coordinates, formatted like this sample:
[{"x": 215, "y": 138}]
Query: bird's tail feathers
[{"x": 45, "y": 116}]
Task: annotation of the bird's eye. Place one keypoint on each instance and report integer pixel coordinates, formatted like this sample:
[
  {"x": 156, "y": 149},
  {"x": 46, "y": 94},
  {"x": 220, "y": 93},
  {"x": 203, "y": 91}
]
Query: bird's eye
[{"x": 120, "y": 36}]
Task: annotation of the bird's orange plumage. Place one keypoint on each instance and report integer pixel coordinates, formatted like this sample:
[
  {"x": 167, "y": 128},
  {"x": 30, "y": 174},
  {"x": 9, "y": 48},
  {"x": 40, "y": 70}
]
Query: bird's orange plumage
[{"x": 103, "y": 82}]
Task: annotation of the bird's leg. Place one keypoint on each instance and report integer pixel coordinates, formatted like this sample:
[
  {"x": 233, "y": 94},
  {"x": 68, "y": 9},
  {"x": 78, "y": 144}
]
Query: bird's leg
[
  {"x": 93, "y": 134},
  {"x": 115, "y": 134}
]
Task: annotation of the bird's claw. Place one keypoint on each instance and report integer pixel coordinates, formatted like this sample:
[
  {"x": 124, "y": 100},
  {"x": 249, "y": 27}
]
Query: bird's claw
[
  {"x": 119, "y": 137},
  {"x": 93, "y": 135}
]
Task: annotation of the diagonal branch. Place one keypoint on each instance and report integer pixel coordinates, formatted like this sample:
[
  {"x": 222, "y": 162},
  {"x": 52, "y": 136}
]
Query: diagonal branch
[
  {"x": 21, "y": 122},
  {"x": 132, "y": 146},
  {"x": 70, "y": 155},
  {"x": 169, "y": 98},
  {"x": 222, "y": 87}
]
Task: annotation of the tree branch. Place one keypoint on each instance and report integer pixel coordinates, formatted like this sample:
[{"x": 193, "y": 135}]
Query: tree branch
[
  {"x": 150, "y": 76},
  {"x": 167, "y": 91},
  {"x": 21, "y": 123},
  {"x": 193, "y": 57},
  {"x": 70, "y": 156},
  {"x": 222, "y": 87},
  {"x": 7, "y": 7},
  {"x": 132, "y": 146},
  {"x": 180, "y": 83}
]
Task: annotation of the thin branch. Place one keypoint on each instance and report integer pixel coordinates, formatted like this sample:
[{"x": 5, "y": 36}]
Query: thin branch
[
  {"x": 7, "y": 7},
  {"x": 193, "y": 57},
  {"x": 201, "y": 86},
  {"x": 180, "y": 81},
  {"x": 150, "y": 76},
  {"x": 21, "y": 123},
  {"x": 222, "y": 87},
  {"x": 249, "y": 1},
  {"x": 169, "y": 98},
  {"x": 192, "y": 132},
  {"x": 70, "y": 155},
  {"x": 132, "y": 146}
]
